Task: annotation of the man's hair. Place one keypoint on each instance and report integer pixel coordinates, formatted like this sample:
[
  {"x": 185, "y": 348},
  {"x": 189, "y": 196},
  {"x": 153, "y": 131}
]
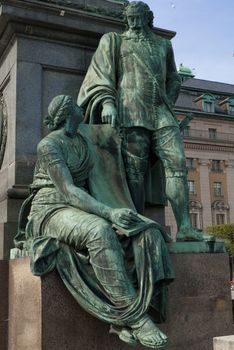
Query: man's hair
[{"x": 144, "y": 8}]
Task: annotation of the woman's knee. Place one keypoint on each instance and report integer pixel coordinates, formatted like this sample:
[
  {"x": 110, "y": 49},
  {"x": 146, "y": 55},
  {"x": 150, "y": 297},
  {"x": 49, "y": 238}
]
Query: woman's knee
[
  {"x": 152, "y": 235},
  {"x": 103, "y": 232},
  {"x": 102, "y": 225}
]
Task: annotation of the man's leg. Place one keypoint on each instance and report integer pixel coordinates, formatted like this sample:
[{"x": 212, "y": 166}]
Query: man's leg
[
  {"x": 168, "y": 146},
  {"x": 136, "y": 146}
]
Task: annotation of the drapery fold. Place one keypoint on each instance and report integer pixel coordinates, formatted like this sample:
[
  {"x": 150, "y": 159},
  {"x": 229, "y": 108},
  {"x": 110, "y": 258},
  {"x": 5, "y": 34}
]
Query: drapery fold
[
  {"x": 145, "y": 255},
  {"x": 77, "y": 274}
]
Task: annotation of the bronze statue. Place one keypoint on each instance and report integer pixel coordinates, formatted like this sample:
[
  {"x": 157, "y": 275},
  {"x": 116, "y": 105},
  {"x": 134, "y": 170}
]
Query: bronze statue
[
  {"x": 132, "y": 83},
  {"x": 114, "y": 277},
  {"x": 3, "y": 128}
]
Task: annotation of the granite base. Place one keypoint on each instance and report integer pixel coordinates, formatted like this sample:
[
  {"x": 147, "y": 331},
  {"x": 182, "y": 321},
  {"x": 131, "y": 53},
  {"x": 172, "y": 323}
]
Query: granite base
[
  {"x": 224, "y": 343},
  {"x": 3, "y": 304},
  {"x": 43, "y": 315}
]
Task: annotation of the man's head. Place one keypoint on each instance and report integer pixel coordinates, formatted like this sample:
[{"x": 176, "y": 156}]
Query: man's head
[{"x": 138, "y": 15}]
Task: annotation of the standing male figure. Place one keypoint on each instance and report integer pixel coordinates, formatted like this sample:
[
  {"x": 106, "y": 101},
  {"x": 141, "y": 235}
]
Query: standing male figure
[{"x": 132, "y": 83}]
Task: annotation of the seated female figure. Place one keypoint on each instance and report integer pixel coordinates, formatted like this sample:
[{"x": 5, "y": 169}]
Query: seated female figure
[{"x": 62, "y": 209}]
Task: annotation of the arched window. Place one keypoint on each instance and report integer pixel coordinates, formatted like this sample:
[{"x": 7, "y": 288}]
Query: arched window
[
  {"x": 220, "y": 213},
  {"x": 195, "y": 212}
]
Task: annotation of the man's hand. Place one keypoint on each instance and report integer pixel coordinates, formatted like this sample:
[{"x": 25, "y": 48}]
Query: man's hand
[
  {"x": 109, "y": 114},
  {"x": 124, "y": 217}
]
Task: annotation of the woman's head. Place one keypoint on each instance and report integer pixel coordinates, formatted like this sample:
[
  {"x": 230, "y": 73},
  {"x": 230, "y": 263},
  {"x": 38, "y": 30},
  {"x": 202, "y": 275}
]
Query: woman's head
[{"x": 64, "y": 112}]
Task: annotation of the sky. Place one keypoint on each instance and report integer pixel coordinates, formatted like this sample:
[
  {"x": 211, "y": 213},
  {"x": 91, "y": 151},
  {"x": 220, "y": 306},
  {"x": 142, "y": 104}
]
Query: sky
[{"x": 205, "y": 35}]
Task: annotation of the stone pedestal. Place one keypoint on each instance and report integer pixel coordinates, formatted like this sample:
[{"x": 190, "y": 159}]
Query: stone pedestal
[
  {"x": 43, "y": 315},
  {"x": 3, "y": 304},
  {"x": 224, "y": 343}
]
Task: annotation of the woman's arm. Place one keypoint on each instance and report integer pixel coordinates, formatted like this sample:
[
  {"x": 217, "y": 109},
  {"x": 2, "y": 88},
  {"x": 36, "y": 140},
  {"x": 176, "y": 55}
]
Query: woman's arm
[
  {"x": 75, "y": 196},
  {"x": 51, "y": 158},
  {"x": 62, "y": 179}
]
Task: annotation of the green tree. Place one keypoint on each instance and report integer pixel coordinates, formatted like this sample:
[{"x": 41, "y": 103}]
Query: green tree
[{"x": 226, "y": 233}]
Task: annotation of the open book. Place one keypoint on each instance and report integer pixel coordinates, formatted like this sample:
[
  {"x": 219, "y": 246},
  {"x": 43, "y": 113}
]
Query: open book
[{"x": 142, "y": 225}]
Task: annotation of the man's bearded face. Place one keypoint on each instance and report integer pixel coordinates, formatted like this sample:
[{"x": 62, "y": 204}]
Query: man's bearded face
[{"x": 136, "y": 19}]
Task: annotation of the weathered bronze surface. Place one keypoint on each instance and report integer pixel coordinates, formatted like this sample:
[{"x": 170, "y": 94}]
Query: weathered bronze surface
[
  {"x": 90, "y": 185},
  {"x": 3, "y": 129},
  {"x": 132, "y": 84},
  {"x": 67, "y": 221}
]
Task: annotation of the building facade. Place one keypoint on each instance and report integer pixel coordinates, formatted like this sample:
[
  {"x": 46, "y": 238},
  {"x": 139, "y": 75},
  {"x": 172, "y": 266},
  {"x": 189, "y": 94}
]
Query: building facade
[{"x": 209, "y": 149}]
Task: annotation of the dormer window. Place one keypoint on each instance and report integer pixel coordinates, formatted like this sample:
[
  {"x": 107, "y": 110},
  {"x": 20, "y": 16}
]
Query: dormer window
[
  {"x": 206, "y": 103},
  {"x": 231, "y": 110},
  {"x": 207, "y": 107},
  {"x": 231, "y": 105},
  {"x": 228, "y": 105}
]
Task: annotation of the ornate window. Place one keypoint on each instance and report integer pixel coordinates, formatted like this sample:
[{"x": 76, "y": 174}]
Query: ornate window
[
  {"x": 191, "y": 186},
  {"x": 206, "y": 103},
  {"x": 216, "y": 165},
  {"x": 194, "y": 219},
  {"x": 231, "y": 109},
  {"x": 217, "y": 189},
  {"x": 195, "y": 213},
  {"x": 220, "y": 213},
  {"x": 190, "y": 163},
  {"x": 220, "y": 219},
  {"x": 208, "y": 106},
  {"x": 228, "y": 105}
]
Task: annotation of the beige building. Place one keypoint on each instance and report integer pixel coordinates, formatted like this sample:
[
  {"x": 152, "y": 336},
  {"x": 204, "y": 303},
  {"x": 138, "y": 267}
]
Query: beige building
[{"x": 209, "y": 148}]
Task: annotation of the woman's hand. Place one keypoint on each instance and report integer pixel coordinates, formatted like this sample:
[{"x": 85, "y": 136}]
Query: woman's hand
[{"x": 125, "y": 218}]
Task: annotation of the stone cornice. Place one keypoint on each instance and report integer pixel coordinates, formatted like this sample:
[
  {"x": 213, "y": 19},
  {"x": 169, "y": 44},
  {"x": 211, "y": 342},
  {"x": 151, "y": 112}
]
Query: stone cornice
[
  {"x": 43, "y": 18},
  {"x": 205, "y": 147},
  {"x": 83, "y": 7},
  {"x": 114, "y": 10},
  {"x": 202, "y": 90},
  {"x": 202, "y": 114},
  {"x": 111, "y": 12}
]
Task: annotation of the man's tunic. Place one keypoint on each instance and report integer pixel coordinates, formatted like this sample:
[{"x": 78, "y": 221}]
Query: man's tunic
[{"x": 139, "y": 74}]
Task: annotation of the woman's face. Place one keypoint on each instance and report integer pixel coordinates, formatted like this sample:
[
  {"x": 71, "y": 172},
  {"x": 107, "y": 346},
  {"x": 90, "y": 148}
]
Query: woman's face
[
  {"x": 77, "y": 114},
  {"x": 75, "y": 118}
]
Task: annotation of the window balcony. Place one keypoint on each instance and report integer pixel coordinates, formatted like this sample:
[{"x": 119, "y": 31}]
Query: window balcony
[
  {"x": 218, "y": 195},
  {"x": 194, "y": 134}
]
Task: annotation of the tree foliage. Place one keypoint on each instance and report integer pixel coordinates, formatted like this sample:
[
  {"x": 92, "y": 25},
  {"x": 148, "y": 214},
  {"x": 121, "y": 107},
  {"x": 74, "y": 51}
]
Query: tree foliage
[{"x": 224, "y": 232}]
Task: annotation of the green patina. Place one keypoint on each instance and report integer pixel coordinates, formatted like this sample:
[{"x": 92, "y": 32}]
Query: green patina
[
  {"x": 88, "y": 180},
  {"x": 79, "y": 191},
  {"x": 132, "y": 84},
  {"x": 185, "y": 72},
  {"x": 3, "y": 129}
]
